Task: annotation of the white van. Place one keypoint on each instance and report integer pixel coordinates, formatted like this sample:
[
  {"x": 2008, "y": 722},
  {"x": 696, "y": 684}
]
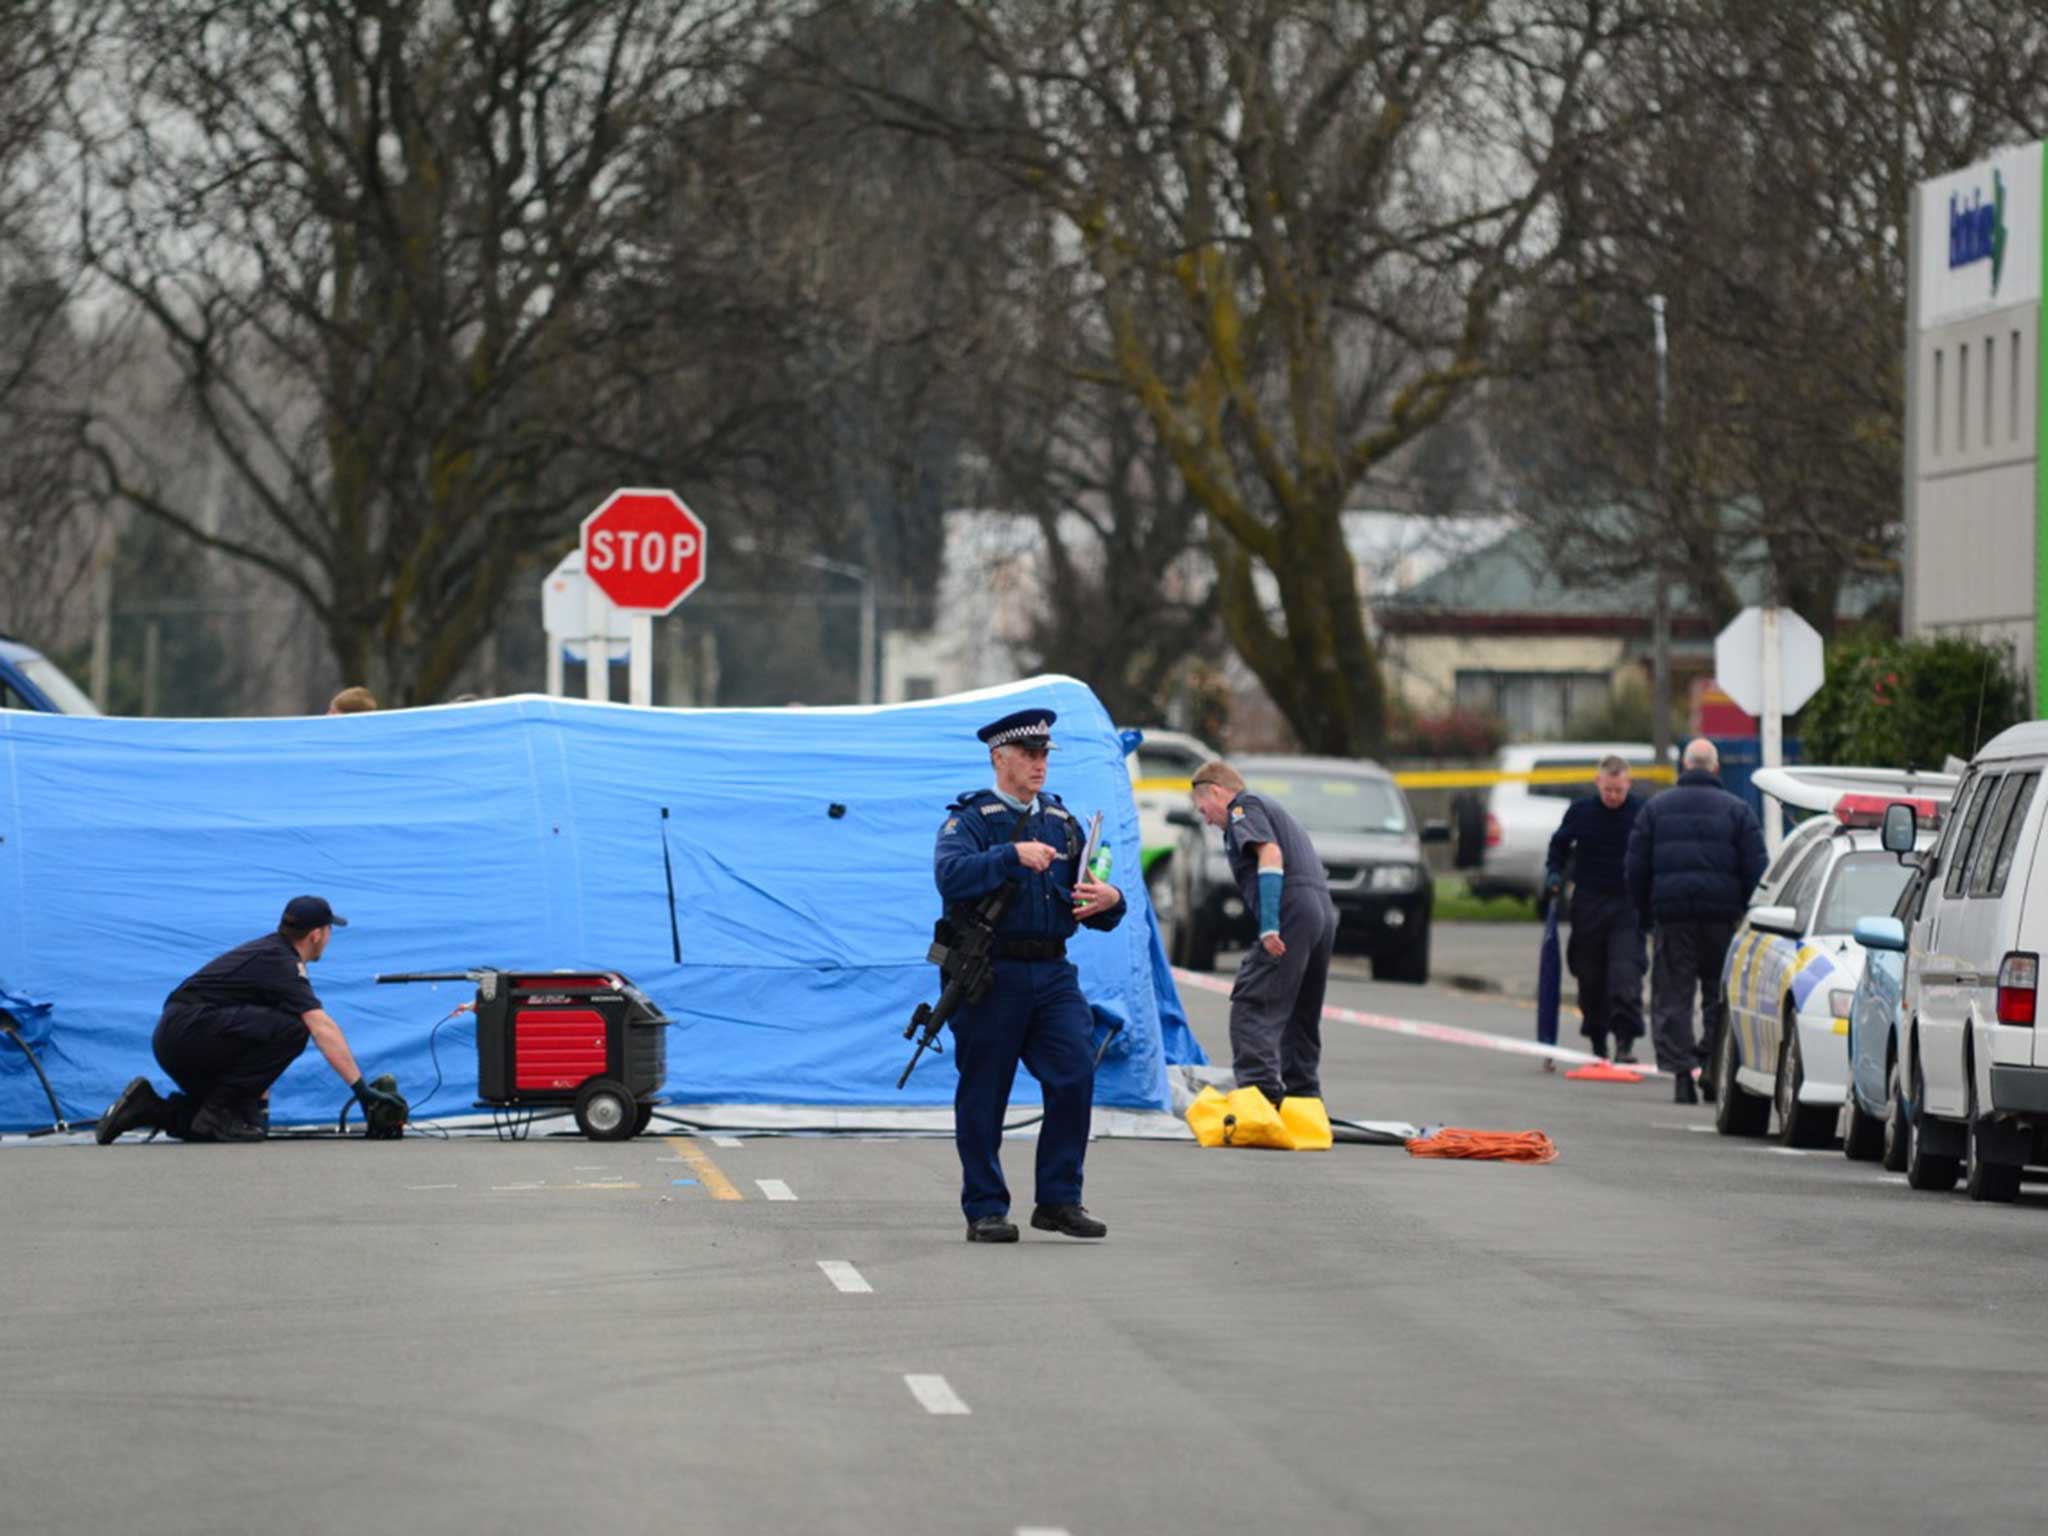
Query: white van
[{"x": 1972, "y": 1082}]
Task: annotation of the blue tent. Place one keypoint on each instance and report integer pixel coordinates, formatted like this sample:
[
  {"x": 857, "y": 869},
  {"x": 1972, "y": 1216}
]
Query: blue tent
[{"x": 527, "y": 832}]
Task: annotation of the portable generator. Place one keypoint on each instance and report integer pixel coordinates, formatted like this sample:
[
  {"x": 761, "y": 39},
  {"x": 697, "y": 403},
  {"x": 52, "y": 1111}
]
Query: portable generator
[{"x": 590, "y": 1040}]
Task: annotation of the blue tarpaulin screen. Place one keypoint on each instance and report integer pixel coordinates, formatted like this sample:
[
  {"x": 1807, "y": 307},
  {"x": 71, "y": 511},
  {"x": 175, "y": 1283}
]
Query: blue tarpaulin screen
[{"x": 527, "y": 832}]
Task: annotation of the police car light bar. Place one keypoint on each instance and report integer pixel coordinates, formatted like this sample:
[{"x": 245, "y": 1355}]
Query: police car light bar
[{"x": 1868, "y": 810}]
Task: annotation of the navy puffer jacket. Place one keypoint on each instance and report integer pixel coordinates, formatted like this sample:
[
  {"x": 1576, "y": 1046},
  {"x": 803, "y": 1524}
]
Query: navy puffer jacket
[{"x": 1695, "y": 854}]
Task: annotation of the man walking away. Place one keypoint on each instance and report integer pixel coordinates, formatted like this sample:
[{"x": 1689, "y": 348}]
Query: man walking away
[
  {"x": 1695, "y": 855},
  {"x": 1606, "y": 949}
]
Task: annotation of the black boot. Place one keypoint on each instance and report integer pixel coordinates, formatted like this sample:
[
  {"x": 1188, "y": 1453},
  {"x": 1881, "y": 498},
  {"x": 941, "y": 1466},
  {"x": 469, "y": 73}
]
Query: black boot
[
  {"x": 136, "y": 1109},
  {"x": 1682, "y": 1091},
  {"x": 1070, "y": 1219},
  {"x": 224, "y": 1119},
  {"x": 1624, "y": 1050},
  {"x": 991, "y": 1229},
  {"x": 1597, "y": 1045}
]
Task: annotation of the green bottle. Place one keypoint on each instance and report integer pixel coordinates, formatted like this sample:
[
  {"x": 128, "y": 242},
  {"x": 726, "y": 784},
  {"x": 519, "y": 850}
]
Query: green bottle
[{"x": 1099, "y": 866}]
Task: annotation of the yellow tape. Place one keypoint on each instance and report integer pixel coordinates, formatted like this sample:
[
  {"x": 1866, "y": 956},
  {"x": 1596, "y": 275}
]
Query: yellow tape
[{"x": 1453, "y": 778}]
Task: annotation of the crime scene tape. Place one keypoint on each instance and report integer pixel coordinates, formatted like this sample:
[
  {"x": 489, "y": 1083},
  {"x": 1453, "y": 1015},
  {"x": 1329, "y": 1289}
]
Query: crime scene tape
[{"x": 1454, "y": 778}]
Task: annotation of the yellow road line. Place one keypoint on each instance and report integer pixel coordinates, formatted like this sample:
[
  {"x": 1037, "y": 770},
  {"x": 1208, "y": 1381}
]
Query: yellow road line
[{"x": 712, "y": 1176}]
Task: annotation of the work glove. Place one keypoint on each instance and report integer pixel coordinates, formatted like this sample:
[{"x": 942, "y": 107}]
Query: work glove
[{"x": 384, "y": 1110}]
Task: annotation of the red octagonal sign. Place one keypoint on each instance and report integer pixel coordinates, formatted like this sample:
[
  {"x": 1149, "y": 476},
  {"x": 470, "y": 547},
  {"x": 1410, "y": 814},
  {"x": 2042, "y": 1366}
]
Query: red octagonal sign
[{"x": 644, "y": 549}]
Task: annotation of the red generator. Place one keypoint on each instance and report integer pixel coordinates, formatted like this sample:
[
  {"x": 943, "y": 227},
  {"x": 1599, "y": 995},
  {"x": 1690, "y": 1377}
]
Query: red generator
[{"x": 590, "y": 1040}]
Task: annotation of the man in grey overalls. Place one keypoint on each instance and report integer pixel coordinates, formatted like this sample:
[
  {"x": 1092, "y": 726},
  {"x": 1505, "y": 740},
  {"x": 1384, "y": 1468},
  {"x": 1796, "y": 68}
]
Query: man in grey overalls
[{"x": 1276, "y": 1004}]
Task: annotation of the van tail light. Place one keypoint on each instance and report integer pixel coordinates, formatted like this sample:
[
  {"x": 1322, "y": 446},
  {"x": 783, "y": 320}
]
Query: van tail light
[
  {"x": 1492, "y": 830},
  {"x": 2017, "y": 978}
]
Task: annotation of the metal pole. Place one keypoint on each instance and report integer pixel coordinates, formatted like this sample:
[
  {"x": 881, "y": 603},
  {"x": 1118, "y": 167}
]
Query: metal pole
[
  {"x": 640, "y": 662},
  {"x": 1773, "y": 721},
  {"x": 102, "y": 679},
  {"x": 597, "y": 649},
  {"x": 1660, "y": 618},
  {"x": 869, "y": 693}
]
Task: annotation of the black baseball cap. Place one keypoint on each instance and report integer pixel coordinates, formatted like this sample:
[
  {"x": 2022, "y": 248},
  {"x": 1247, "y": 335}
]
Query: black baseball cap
[{"x": 311, "y": 912}]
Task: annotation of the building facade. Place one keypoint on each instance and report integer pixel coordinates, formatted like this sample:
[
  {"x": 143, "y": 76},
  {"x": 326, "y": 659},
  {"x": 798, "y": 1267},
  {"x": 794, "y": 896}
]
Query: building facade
[{"x": 1976, "y": 488}]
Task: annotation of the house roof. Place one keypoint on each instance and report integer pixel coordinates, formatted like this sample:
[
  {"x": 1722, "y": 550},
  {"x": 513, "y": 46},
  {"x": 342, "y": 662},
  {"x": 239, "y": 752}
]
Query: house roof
[{"x": 1510, "y": 586}]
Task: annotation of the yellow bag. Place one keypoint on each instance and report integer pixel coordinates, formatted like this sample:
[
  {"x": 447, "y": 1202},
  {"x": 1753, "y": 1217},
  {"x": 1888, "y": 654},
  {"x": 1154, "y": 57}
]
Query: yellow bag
[
  {"x": 1245, "y": 1118},
  {"x": 1308, "y": 1123}
]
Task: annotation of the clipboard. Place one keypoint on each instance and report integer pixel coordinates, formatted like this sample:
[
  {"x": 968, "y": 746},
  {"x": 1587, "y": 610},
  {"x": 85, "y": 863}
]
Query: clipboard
[{"x": 1088, "y": 849}]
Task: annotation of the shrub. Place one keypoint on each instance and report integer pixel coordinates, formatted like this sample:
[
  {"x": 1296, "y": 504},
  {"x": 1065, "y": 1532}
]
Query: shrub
[{"x": 1894, "y": 703}]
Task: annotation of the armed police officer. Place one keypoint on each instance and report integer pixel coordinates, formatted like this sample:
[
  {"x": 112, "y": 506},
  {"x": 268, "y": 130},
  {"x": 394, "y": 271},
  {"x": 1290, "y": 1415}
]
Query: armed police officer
[
  {"x": 1034, "y": 1012},
  {"x": 1276, "y": 1003},
  {"x": 1606, "y": 948},
  {"x": 229, "y": 1030}
]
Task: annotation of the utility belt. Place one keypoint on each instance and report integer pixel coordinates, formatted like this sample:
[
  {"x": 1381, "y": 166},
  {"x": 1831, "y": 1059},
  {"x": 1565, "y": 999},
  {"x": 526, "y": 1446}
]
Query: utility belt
[{"x": 1031, "y": 949}]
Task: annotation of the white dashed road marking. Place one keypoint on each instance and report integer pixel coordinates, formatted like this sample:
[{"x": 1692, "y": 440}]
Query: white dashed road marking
[
  {"x": 844, "y": 1276},
  {"x": 726, "y": 1141},
  {"x": 935, "y": 1395},
  {"x": 775, "y": 1189}
]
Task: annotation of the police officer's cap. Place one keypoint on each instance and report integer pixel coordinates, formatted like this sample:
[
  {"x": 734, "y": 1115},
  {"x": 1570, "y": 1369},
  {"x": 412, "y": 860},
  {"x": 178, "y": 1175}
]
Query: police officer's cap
[
  {"x": 1025, "y": 728},
  {"x": 310, "y": 912}
]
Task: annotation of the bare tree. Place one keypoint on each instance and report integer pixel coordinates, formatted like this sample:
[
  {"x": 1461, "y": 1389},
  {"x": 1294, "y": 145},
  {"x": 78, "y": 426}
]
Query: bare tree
[
  {"x": 377, "y": 236},
  {"x": 1767, "y": 205},
  {"x": 1327, "y": 205}
]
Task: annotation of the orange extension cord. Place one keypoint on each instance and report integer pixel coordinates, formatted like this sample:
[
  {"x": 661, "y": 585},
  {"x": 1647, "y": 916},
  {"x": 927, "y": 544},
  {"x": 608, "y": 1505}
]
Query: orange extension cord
[{"x": 1495, "y": 1146}]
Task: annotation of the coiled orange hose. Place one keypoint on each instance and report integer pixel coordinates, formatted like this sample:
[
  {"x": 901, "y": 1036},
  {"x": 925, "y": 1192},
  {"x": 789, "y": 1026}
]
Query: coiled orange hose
[{"x": 1493, "y": 1146}]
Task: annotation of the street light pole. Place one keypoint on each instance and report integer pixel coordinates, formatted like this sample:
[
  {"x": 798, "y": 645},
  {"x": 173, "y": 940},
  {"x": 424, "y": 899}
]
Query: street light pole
[
  {"x": 1660, "y": 622},
  {"x": 870, "y": 693}
]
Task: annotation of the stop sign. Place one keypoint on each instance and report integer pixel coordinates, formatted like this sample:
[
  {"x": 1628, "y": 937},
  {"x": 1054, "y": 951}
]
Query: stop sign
[{"x": 644, "y": 550}]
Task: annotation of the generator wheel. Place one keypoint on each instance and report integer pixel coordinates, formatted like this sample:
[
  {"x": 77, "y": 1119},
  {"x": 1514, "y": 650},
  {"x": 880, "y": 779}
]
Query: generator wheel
[
  {"x": 644, "y": 1119},
  {"x": 605, "y": 1111}
]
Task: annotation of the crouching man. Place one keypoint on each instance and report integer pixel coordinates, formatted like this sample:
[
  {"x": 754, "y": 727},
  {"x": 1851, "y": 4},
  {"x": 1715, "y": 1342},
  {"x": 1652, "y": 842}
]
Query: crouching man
[{"x": 231, "y": 1028}]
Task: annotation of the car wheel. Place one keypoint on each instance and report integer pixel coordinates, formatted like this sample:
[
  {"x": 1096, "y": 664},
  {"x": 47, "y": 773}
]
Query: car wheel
[
  {"x": 1927, "y": 1170},
  {"x": 1862, "y": 1134},
  {"x": 1896, "y": 1132},
  {"x": 1737, "y": 1111},
  {"x": 1410, "y": 964},
  {"x": 1159, "y": 888},
  {"x": 1799, "y": 1125},
  {"x": 1996, "y": 1183}
]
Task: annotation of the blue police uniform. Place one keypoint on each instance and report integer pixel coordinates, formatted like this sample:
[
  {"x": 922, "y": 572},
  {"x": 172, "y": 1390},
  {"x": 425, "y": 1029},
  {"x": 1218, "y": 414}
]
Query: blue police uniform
[{"x": 1034, "y": 1012}]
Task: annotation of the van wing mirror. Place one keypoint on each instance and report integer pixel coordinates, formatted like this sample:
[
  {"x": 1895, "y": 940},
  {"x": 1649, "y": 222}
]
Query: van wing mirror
[{"x": 1901, "y": 829}]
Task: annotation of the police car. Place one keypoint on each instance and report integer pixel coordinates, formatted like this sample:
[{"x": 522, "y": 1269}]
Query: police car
[{"x": 1792, "y": 968}]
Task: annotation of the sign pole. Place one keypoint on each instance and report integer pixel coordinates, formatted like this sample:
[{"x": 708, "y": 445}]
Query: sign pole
[
  {"x": 597, "y": 648},
  {"x": 640, "y": 663},
  {"x": 554, "y": 666},
  {"x": 1772, "y": 722}
]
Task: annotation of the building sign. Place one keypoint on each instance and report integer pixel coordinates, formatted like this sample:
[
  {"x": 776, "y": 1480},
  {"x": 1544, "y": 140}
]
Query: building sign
[{"x": 1980, "y": 237}]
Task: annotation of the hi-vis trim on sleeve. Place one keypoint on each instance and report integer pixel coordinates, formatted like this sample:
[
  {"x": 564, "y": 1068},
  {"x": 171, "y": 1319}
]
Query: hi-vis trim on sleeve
[
  {"x": 1060, "y": 810},
  {"x": 993, "y": 808}
]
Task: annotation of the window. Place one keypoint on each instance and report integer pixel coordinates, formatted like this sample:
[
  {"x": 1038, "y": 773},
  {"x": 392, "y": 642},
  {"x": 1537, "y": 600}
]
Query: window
[
  {"x": 1799, "y": 893},
  {"x": 1863, "y": 885},
  {"x": 1534, "y": 704},
  {"x": 1957, "y": 856},
  {"x": 1963, "y": 397},
  {"x": 1336, "y": 802},
  {"x": 2009, "y": 841},
  {"x": 1992, "y": 833},
  {"x": 1794, "y": 847},
  {"x": 919, "y": 688},
  {"x": 1990, "y": 377},
  {"x": 1166, "y": 763},
  {"x": 1938, "y": 397},
  {"x": 9, "y": 699},
  {"x": 2013, "y": 352}
]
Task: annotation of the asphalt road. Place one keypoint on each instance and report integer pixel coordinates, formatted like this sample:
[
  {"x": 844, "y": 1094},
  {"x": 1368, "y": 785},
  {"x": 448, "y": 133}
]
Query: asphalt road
[{"x": 1662, "y": 1331}]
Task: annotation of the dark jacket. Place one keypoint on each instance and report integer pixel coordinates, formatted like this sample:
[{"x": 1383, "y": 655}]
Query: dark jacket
[
  {"x": 976, "y": 853},
  {"x": 1696, "y": 853},
  {"x": 1601, "y": 838}
]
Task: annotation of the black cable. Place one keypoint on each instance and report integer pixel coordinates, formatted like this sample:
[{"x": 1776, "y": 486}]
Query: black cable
[{"x": 11, "y": 1028}]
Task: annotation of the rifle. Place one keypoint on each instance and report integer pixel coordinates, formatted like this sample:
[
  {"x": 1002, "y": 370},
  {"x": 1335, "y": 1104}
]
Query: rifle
[{"x": 965, "y": 954}]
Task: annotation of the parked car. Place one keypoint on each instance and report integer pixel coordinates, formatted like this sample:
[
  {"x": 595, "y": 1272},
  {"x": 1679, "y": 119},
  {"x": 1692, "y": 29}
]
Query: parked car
[
  {"x": 1371, "y": 850},
  {"x": 1504, "y": 832},
  {"x": 1873, "y": 1125},
  {"x": 1972, "y": 1081},
  {"x": 1162, "y": 765},
  {"x": 30, "y": 680},
  {"x": 1791, "y": 972}
]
